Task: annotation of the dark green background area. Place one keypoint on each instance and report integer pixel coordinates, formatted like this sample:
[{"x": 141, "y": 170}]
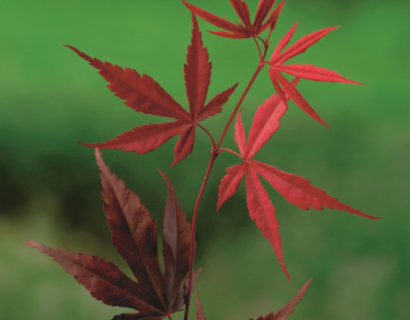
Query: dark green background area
[{"x": 49, "y": 186}]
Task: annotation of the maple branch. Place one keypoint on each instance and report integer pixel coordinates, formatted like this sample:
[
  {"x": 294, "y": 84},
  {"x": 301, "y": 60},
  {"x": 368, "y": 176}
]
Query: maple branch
[
  {"x": 209, "y": 135},
  {"x": 215, "y": 152}
]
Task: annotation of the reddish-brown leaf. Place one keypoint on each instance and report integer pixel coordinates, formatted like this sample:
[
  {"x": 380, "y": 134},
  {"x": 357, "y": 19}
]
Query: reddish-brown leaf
[
  {"x": 157, "y": 293},
  {"x": 199, "y": 311},
  {"x": 176, "y": 247},
  {"x": 103, "y": 279},
  {"x": 133, "y": 231},
  {"x": 143, "y": 94},
  {"x": 286, "y": 311}
]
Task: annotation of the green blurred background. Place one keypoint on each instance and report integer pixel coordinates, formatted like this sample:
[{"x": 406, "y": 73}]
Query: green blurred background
[{"x": 49, "y": 187}]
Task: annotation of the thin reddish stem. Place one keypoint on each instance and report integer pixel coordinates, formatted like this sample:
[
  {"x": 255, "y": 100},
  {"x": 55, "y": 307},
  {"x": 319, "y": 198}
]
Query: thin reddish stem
[
  {"x": 211, "y": 137},
  {"x": 229, "y": 151},
  {"x": 214, "y": 154}
]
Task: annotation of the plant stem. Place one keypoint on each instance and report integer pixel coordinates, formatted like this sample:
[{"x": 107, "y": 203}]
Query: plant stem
[{"x": 214, "y": 154}]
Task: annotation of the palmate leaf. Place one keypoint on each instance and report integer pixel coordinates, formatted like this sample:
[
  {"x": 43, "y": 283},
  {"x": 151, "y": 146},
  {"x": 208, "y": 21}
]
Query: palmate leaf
[
  {"x": 157, "y": 293},
  {"x": 143, "y": 94},
  {"x": 265, "y": 18},
  {"x": 303, "y": 71},
  {"x": 287, "y": 310},
  {"x": 296, "y": 190}
]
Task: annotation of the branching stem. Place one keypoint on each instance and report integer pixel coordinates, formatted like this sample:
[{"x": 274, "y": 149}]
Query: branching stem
[{"x": 214, "y": 153}]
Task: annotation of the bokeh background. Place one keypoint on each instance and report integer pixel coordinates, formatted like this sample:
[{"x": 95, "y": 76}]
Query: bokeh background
[{"x": 49, "y": 186}]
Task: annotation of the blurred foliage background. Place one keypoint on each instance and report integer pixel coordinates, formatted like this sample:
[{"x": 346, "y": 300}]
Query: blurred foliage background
[{"x": 49, "y": 186}]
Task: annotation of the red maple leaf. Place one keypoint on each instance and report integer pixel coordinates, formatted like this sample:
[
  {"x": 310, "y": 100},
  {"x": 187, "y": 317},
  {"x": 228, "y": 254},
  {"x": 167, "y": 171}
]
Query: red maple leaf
[
  {"x": 157, "y": 293},
  {"x": 287, "y": 310},
  {"x": 294, "y": 189},
  {"x": 142, "y": 94},
  {"x": 304, "y": 71},
  {"x": 244, "y": 29}
]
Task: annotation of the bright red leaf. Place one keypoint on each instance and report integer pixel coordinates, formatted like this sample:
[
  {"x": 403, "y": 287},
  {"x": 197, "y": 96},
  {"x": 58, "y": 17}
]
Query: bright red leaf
[
  {"x": 294, "y": 189},
  {"x": 142, "y": 94},
  {"x": 303, "y": 71},
  {"x": 156, "y": 293},
  {"x": 287, "y": 310},
  {"x": 265, "y": 18}
]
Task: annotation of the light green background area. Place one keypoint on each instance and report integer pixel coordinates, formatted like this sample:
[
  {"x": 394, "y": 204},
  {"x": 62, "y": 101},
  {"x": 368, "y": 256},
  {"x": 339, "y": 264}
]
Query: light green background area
[{"x": 49, "y": 188}]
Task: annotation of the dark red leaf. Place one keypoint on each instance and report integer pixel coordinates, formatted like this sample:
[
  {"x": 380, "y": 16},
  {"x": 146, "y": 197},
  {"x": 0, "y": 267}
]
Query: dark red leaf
[
  {"x": 144, "y": 139},
  {"x": 211, "y": 18},
  {"x": 215, "y": 105},
  {"x": 157, "y": 294},
  {"x": 244, "y": 29},
  {"x": 140, "y": 93},
  {"x": 143, "y": 94},
  {"x": 230, "y": 35},
  {"x": 176, "y": 247},
  {"x": 184, "y": 145},
  {"x": 197, "y": 72},
  {"x": 264, "y": 7},
  {"x": 103, "y": 279},
  {"x": 242, "y": 11},
  {"x": 133, "y": 231}
]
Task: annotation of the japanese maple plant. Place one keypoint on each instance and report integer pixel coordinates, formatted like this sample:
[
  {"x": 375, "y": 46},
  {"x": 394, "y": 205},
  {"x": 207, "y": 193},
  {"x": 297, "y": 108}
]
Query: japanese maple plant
[{"x": 164, "y": 286}]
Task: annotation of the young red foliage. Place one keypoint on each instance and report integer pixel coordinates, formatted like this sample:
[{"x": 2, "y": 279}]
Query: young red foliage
[
  {"x": 304, "y": 71},
  {"x": 287, "y": 310},
  {"x": 142, "y": 94},
  {"x": 199, "y": 312},
  {"x": 157, "y": 293},
  {"x": 294, "y": 189},
  {"x": 245, "y": 29}
]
